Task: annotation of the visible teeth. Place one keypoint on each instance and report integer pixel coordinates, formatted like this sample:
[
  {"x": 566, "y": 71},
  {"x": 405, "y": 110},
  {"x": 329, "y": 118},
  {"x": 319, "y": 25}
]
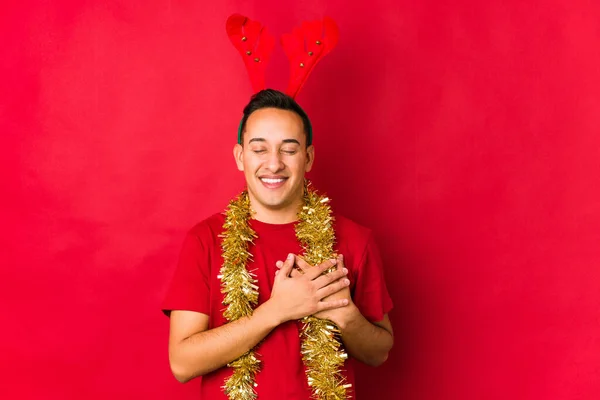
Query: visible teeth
[{"x": 269, "y": 180}]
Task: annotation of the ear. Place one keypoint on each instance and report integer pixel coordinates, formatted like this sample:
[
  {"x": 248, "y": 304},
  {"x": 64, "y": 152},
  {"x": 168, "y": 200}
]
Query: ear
[
  {"x": 310, "y": 157},
  {"x": 238, "y": 154}
]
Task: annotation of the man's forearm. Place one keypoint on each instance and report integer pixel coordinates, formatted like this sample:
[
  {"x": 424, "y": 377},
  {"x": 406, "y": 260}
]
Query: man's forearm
[
  {"x": 212, "y": 349},
  {"x": 365, "y": 341}
]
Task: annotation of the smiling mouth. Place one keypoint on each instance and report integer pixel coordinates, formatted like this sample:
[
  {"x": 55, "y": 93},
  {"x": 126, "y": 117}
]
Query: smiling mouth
[{"x": 273, "y": 183}]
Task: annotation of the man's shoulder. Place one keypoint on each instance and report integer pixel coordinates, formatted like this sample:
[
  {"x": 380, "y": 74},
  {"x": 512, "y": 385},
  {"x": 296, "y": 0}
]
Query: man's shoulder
[{"x": 211, "y": 226}]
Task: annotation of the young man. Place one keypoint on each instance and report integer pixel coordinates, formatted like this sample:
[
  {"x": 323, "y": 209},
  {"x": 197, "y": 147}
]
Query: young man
[{"x": 275, "y": 153}]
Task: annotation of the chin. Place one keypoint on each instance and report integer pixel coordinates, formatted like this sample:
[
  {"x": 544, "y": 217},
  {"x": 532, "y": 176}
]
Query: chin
[{"x": 275, "y": 204}]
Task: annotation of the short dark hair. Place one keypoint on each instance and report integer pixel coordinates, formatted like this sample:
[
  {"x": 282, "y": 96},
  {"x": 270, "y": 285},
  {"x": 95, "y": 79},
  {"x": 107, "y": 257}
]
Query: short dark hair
[{"x": 270, "y": 98}]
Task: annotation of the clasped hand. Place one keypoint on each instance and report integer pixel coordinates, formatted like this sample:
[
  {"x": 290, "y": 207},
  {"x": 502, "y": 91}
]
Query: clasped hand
[{"x": 301, "y": 290}]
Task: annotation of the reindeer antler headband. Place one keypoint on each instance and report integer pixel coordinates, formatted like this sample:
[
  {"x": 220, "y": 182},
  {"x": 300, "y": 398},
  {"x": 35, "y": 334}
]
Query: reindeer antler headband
[{"x": 304, "y": 47}]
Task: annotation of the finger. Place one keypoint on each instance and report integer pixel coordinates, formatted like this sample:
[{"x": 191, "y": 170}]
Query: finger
[
  {"x": 313, "y": 273},
  {"x": 302, "y": 265},
  {"x": 330, "y": 304},
  {"x": 326, "y": 279},
  {"x": 332, "y": 288},
  {"x": 296, "y": 272},
  {"x": 340, "y": 261},
  {"x": 286, "y": 268}
]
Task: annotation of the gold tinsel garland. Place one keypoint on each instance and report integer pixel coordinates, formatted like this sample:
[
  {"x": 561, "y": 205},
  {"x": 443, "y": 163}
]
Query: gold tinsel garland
[
  {"x": 322, "y": 350},
  {"x": 240, "y": 290}
]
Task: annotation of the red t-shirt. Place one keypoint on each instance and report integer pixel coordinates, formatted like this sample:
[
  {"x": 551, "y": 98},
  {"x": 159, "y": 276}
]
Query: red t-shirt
[{"x": 196, "y": 287}]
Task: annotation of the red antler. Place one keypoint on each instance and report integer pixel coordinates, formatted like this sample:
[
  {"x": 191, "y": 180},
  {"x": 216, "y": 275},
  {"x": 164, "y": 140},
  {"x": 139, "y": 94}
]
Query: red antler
[
  {"x": 305, "y": 46},
  {"x": 255, "y": 45}
]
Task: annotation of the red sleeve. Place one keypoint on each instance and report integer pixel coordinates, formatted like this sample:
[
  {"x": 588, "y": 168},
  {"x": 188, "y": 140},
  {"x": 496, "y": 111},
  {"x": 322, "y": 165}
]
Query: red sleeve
[
  {"x": 189, "y": 289},
  {"x": 370, "y": 292}
]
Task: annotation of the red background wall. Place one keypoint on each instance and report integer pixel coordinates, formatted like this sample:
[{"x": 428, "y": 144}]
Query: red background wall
[{"x": 464, "y": 133}]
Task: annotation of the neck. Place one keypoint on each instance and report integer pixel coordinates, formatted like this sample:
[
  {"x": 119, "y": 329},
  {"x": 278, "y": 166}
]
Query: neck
[{"x": 277, "y": 216}]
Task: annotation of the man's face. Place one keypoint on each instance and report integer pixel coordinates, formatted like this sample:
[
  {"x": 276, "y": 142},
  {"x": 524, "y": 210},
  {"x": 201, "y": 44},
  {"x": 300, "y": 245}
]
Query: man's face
[{"x": 274, "y": 158}]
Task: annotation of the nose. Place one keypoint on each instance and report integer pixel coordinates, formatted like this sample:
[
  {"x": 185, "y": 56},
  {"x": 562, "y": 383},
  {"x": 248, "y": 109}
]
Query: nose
[{"x": 274, "y": 162}]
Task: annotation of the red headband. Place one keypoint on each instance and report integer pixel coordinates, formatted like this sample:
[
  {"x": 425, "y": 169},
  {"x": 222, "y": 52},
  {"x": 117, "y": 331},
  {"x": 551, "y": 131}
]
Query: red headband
[{"x": 304, "y": 47}]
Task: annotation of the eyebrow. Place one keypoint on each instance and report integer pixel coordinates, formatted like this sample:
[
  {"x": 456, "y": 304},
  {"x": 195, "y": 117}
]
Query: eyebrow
[
  {"x": 291, "y": 141},
  {"x": 264, "y": 140}
]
